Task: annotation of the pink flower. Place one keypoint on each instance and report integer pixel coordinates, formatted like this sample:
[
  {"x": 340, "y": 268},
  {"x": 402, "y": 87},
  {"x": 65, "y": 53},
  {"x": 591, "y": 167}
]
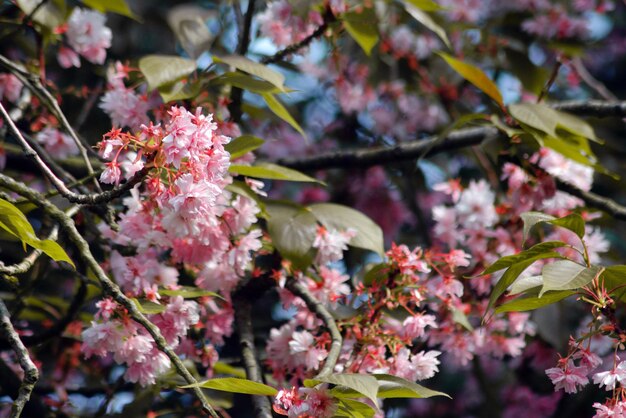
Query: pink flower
[
  {"x": 331, "y": 244},
  {"x": 111, "y": 174},
  {"x": 67, "y": 57},
  {"x": 88, "y": 35},
  {"x": 611, "y": 377},
  {"x": 414, "y": 326},
  {"x": 568, "y": 378},
  {"x": 58, "y": 144},
  {"x": 10, "y": 87}
]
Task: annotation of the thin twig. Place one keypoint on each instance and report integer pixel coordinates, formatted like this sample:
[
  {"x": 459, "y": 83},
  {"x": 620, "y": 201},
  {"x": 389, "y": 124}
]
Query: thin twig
[
  {"x": 298, "y": 289},
  {"x": 34, "y": 83},
  {"x": 236, "y": 94},
  {"x": 293, "y": 48},
  {"x": 591, "y": 81},
  {"x": 243, "y": 319},
  {"x": 31, "y": 374},
  {"x": 88, "y": 199},
  {"x": 108, "y": 286}
]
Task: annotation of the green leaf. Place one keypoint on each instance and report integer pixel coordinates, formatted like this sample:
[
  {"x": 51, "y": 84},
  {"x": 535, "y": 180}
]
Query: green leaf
[
  {"x": 51, "y": 15},
  {"x": 161, "y": 70},
  {"x": 148, "y": 307},
  {"x": 364, "y": 384},
  {"x": 13, "y": 221},
  {"x": 188, "y": 22},
  {"x": 377, "y": 274},
  {"x": 245, "y": 82},
  {"x": 566, "y": 275},
  {"x": 363, "y": 28},
  {"x": 512, "y": 273},
  {"x": 474, "y": 75},
  {"x": 236, "y": 385},
  {"x": 535, "y": 115},
  {"x": 614, "y": 280},
  {"x": 354, "y": 409},
  {"x": 292, "y": 229},
  {"x": 272, "y": 172},
  {"x": 369, "y": 235},
  {"x": 180, "y": 90},
  {"x": 524, "y": 284},
  {"x": 251, "y": 67},
  {"x": 426, "y": 5},
  {"x": 428, "y": 21},
  {"x": 459, "y": 317},
  {"x": 189, "y": 292},
  {"x": 114, "y": 6},
  {"x": 242, "y": 145},
  {"x": 397, "y": 387},
  {"x": 533, "y": 302},
  {"x": 533, "y": 251},
  {"x": 574, "y": 222},
  {"x": 280, "y": 111}
]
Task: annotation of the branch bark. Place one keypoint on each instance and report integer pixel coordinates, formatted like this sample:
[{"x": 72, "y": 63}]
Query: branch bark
[
  {"x": 298, "y": 289},
  {"x": 31, "y": 374},
  {"x": 109, "y": 287},
  {"x": 89, "y": 199},
  {"x": 243, "y": 319}
]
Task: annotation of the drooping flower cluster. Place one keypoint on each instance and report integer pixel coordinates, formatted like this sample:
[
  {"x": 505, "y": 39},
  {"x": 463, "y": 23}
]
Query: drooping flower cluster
[{"x": 183, "y": 216}]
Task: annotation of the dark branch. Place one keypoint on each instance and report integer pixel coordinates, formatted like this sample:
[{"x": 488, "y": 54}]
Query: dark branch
[
  {"x": 293, "y": 48},
  {"x": 236, "y": 95},
  {"x": 243, "y": 318},
  {"x": 593, "y": 200},
  {"x": 31, "y": 374},
  {"x": 109, "y": 287},
  {"x": 368, "y": 157},
  {"x": 315, "y": 306}
]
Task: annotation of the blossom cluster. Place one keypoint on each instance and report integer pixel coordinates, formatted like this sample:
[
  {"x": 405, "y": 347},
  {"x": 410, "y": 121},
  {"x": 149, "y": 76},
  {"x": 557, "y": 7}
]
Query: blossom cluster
[
  {"x": 183, "y": 216},
  {"x": 87, "y": 35}
]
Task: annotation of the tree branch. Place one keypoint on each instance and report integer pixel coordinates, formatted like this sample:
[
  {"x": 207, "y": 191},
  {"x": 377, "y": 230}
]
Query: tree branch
[
  {"x": 462, "y": 138},
  {"x": 108, "y": 286},
  {"x": 236, "y": 94},
  {"x": 31, "y": 374},
  {"x": 243, "y": 318},
  {"x": 34, "y": 83},
  {"x": 298, "y": 289},
  {"x": 293, "y": 48},
  {"x": 89, "y": 199}
]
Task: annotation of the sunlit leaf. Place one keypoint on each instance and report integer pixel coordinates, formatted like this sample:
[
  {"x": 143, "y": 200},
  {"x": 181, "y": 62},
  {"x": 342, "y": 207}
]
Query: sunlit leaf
[
  {"x": 532, "y": 302},
  {"x": 292, "y": 229},
  {"x": 476, "y": 76},
  {"x": 236, "y": 385},
  {"x": 272, "y": 172},
  {"x": 396, "y": 387},
  {"x": 428, "y": 21},
  {"x": 280, "y": 111},
  {"x": 363, "y": 27},
  {"x": 364, "y": 384},
  {"x": 161, "y": 70},
  {"x": 257, "y": 69},
  {"x": 242, "y": 145},
  {"x": 566, "y": 275},
  {"x": 114, "y": 6}
]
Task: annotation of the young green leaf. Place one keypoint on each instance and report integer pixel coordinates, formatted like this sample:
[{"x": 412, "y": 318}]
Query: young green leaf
[
  {"x": 13, "y": 221},
  {"x": 114, "y": 6},
  {"x": 292, "y": 229},
  {"x": 148, "y": 307},
  {"x": 242, "y": 145},
  {"x": 254, "y": 68},
  {"x": 369, "y": 235},
  {"x": 474, "y": 75},
  {"x": 396, "y": 387},
  {"x": 245, "y": 82},
  {"x": 364, "y": 384},
  {"x": 535, "y": 250},
  {"x": 363, "y": 28},
  {"x": 189, "y": 292},
  {"x": 427, "y": 21},
  {"x": 532, "y": 302},
  {"x": 272, "y": 172},
  {"x": 574, "y": 222},
  {"x": 523, "y": 284},
  {"x": 280, "y": 111},
  {"x": 426, "y": 5},
  {"x": 236, "y": 385},
  {"x": 459, "y": 317},
  {"x": 161, "y": 70},
  {"x": 566, "y": 275},
  {"x": 351, "y": 408}
]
